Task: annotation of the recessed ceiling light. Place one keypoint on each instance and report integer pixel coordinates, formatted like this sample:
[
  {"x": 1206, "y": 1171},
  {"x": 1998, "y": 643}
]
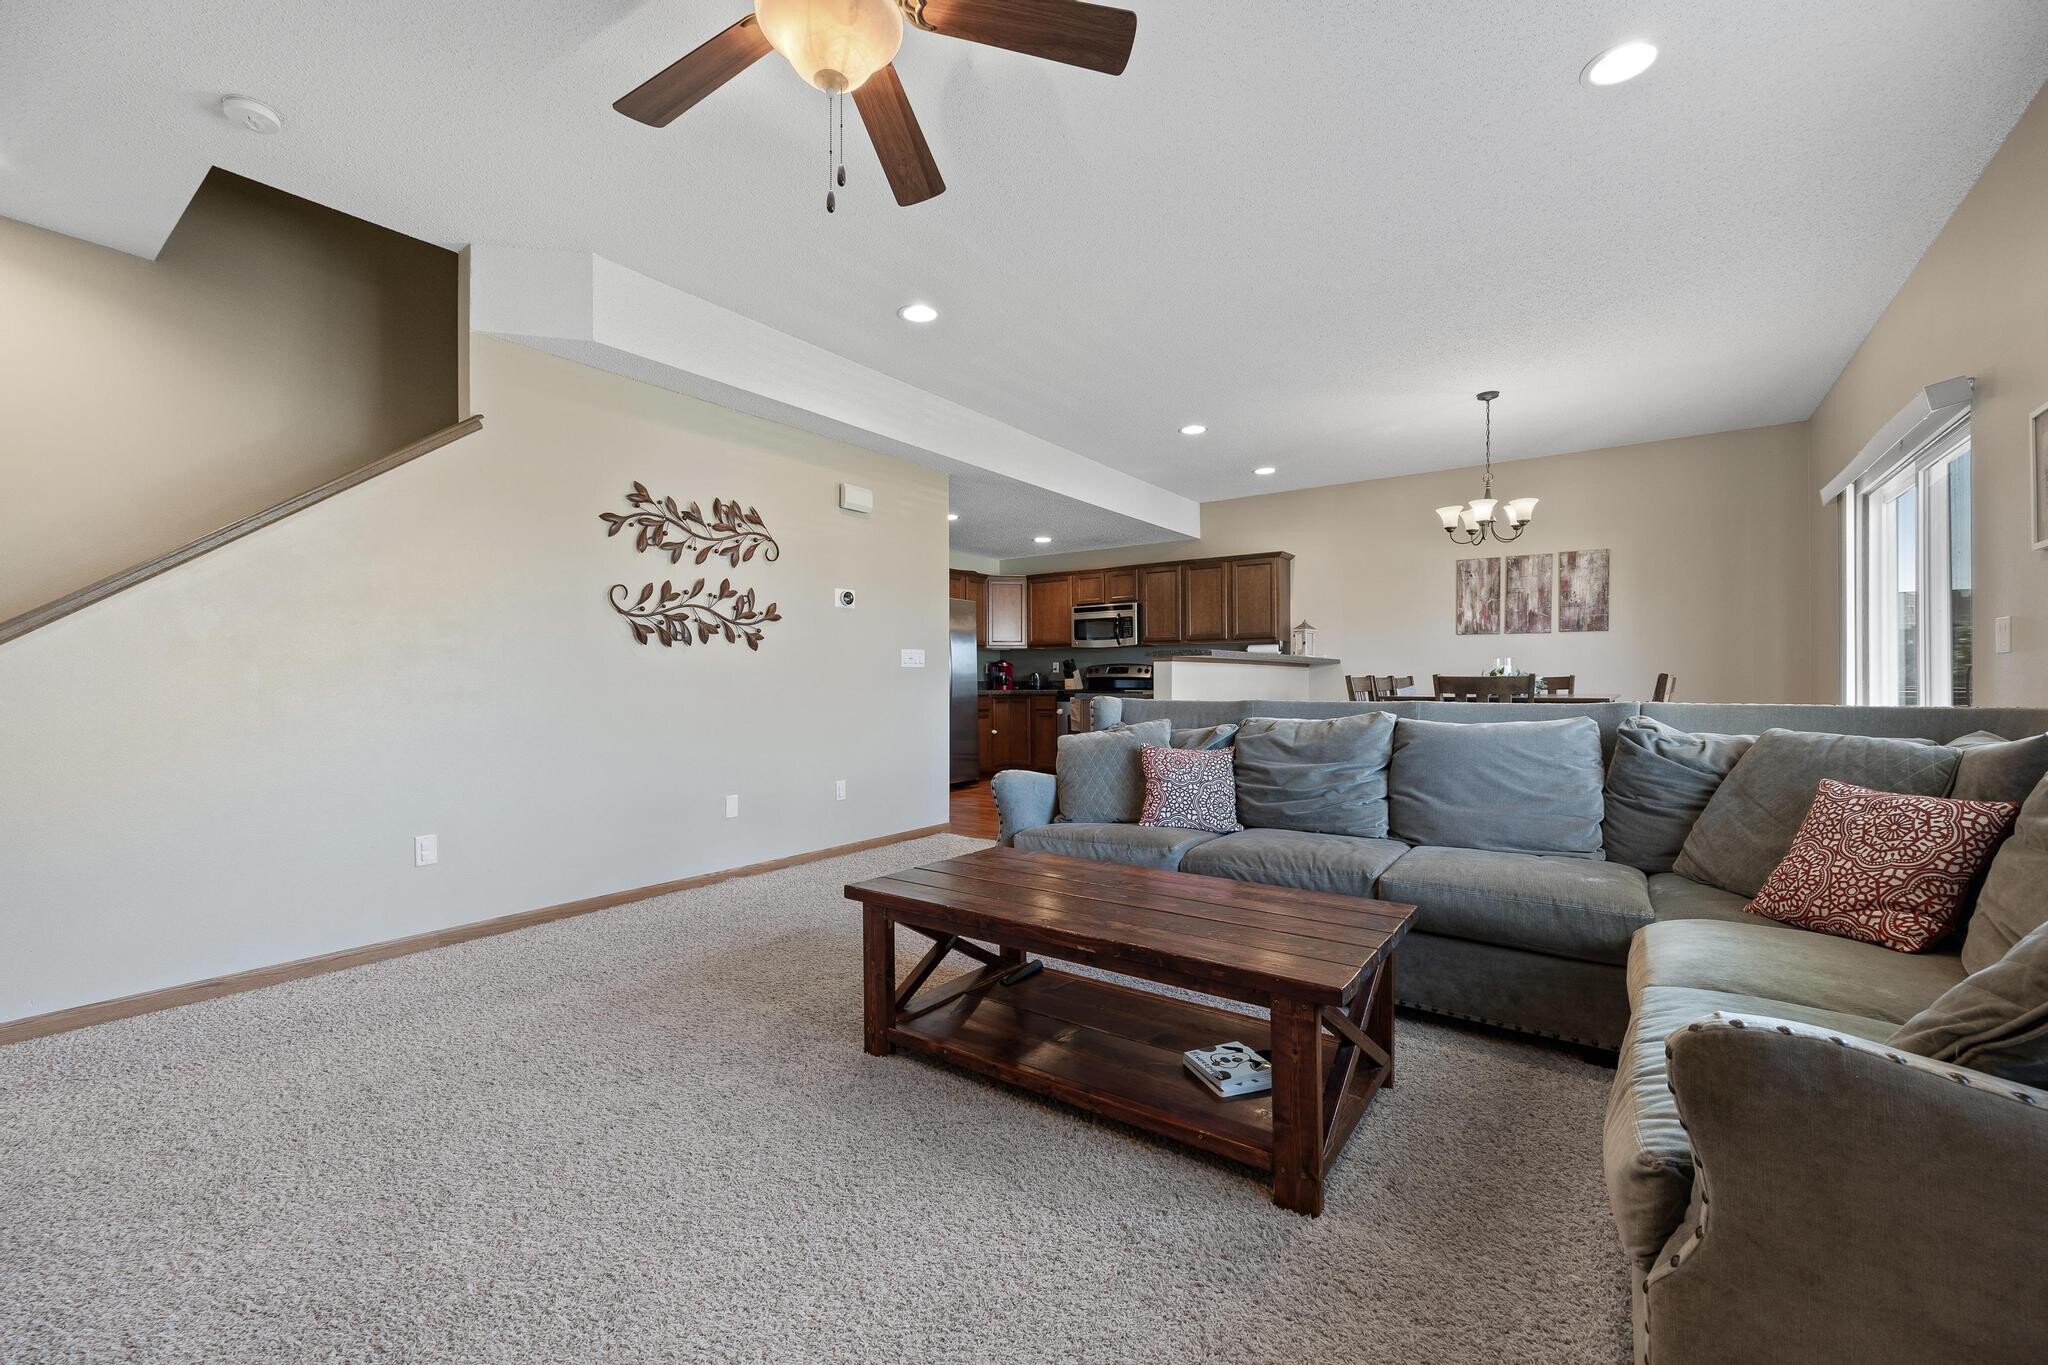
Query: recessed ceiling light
[
  {"x": 918, "y": 312},
  {"x": 952, "y": 516},
  {"x": 1617, "y": 64},
  {"x": 1193, "y": 429},
  {"x": 1263, "y": 470},
  {"x": 1042, "y": 540}
]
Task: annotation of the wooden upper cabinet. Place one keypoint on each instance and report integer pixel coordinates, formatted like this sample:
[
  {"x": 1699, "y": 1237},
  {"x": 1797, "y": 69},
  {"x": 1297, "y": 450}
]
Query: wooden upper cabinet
[
  {"x": 1158, "y": 597},
  {"x": 1119, "y": 585},
  {"x": 1007, "y": 613},
  {"x": 965, "y": 583},
  {"x": 1205, "y": 601},
  {"x": 1258, "y": 599},
  {"x": 1051, "y": 614},
  {"x": 1088, "y": 589}
]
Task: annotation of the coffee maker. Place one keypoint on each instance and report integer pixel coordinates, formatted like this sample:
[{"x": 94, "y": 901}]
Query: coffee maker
[{"x": 1001, "y": 676}]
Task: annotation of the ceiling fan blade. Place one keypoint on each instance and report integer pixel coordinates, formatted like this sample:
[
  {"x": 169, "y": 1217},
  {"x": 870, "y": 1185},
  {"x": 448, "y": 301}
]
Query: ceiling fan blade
[
  {"x": 1094, "y": 36},
  {"x": 663, "y": 96},
  {"x": 899, "y": 142}
]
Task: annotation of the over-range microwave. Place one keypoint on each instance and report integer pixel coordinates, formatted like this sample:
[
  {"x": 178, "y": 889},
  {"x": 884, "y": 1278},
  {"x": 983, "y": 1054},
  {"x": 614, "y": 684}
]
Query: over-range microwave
[{"x": 1105, "y": 625}]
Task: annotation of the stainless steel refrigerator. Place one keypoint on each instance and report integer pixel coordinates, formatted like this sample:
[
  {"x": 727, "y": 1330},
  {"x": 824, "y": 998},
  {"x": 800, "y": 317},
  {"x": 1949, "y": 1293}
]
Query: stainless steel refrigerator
[{"x": 966, "y": 671}]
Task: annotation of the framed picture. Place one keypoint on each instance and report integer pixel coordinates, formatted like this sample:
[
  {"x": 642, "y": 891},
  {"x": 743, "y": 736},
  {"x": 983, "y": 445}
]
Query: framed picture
[
  {"x": 1582, "y": 590},
  {"x": 1526, "y": 596},
  {"x": 1478, "y": 597},
  {"x": 2037, "y": 442}
]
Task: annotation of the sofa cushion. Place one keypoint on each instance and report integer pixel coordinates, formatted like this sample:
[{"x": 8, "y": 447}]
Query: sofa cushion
[
  {"x": 1658, "y": 782},
  {"x": 1742, "y": 835},
  {"x": 1883, "y": 868},
  {"x": 1994, "y": 1021},
  {"x": 1290, "y": 857},
  {"x": 1101, "y": 780},
  {"x": 1137, "y": 845},
  {"x": 1320, "y": 776},
  {"x": 1189, "y": 789},
  {"x": 1568, "y": 907},
  {"x": 2012, "y": 903},
  {"x": 1509, "y": 786},
  {"x": 1768, "y": 963},
  {"x": 1674, "y": 897},
  {"x": 1997, "y": 769},
  {"x": 1204, "y": 737},
  {"x": 1645, "y": 1154}
]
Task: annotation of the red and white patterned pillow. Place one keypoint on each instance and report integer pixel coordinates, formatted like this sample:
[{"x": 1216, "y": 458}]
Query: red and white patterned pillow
[
  {"x": 1190, "y": 789},
  {"x": 1883, "y": 867}
]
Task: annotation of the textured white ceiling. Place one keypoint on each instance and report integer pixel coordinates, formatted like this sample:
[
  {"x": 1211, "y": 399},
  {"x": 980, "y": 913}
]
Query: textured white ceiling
[{"x": 1318, "y": 227}]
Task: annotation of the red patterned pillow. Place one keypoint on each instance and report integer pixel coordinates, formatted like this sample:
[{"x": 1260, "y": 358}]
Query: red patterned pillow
[
  {"x": 1190, "y": 789},
  {"x": 1883, "y": 867}
]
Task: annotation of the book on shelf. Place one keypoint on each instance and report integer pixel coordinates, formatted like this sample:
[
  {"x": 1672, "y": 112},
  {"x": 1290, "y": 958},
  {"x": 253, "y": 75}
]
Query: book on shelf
[{"x": 1231, "y": 1070}]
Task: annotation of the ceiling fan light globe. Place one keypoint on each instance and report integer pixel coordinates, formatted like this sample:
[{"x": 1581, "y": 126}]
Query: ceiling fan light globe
[{"x": 835, "y": 45}]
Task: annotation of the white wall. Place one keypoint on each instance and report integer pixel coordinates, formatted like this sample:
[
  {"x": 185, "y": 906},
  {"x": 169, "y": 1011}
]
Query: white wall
[
  {"x": 1709, "y": 540},
  {"x": 225, "y": 767},
  {"x": 274, "y": 345}
]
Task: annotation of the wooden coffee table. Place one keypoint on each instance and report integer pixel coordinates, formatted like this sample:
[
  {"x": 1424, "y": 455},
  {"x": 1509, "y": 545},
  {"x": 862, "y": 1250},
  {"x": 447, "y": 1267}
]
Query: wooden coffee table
[{"x": 1323, "y": 964}]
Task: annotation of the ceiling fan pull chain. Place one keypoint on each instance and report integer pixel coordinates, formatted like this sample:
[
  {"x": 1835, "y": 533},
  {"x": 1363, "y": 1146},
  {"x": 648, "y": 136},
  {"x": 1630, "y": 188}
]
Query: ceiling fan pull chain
[
  {"x": 831, "y": 201},
  {"x": 840, "y": 100}
]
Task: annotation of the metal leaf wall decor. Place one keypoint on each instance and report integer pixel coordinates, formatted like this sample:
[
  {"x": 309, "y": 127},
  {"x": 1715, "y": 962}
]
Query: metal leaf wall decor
[
  {"x": 663, "y": 613},
  {"x": 662, "y": 526}
]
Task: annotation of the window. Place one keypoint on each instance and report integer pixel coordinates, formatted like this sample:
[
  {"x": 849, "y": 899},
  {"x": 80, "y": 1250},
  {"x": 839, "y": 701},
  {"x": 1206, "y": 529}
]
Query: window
[{"x": 1908, "y": 539}]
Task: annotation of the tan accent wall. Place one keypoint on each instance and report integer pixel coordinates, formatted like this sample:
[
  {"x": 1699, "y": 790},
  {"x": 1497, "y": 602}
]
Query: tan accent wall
[
  {"x": 1708, "y": 539},
  {"x": 224, "y": 768},
  {"x": 1976, "y": 304},
  {"x": 272, "y": 346}
]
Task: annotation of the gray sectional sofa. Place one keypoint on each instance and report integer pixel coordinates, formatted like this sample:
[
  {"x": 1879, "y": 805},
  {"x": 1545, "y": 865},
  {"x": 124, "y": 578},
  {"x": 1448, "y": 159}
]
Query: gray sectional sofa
[{"x": 1870, "y": 1204}]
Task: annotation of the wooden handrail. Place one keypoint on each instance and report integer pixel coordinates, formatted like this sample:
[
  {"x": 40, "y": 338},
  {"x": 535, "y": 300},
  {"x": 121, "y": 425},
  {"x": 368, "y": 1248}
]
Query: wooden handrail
[{"x": 16, "y": 627}]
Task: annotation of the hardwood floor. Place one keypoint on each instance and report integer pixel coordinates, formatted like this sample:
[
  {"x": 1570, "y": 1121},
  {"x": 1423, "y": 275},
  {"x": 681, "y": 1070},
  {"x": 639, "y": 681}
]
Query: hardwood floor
[{"x": 974, "y": 811}]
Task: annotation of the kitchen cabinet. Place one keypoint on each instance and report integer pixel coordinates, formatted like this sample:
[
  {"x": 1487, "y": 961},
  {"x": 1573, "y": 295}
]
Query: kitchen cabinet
[
  {"x": 1158, "y": 598},
  {"x": 984, "y": 721},
  {"x": 1008, "y": 613},
  {"x": 1205, "y": 601},
  {"x": 1007, "y": 735},
  {"x": 1088, "y": 589},
  {"x": 1045, "y": 732},
  {"x": 1050, "y": 616},
  {"x": 1119, "y": 585},
  {"x": 1256, "y": 598},
  {"x": 972, "y": 586}
]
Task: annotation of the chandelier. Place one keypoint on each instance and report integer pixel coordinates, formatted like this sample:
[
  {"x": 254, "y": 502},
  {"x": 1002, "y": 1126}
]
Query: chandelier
[{"x": 1468, "y": 525}]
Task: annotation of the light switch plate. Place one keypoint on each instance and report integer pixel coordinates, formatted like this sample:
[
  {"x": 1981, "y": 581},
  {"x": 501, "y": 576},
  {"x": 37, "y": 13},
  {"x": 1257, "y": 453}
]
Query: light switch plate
[
  {"x": 913, "y": 658},
  {"x": 732, "y": 808},
  {"x": 2001, "y": 635},
  {"x": 426, "y": 850}
]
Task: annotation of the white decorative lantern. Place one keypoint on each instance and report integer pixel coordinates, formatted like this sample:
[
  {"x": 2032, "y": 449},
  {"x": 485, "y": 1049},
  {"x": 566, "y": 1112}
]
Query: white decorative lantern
[{"x": 1304, "y": 638}]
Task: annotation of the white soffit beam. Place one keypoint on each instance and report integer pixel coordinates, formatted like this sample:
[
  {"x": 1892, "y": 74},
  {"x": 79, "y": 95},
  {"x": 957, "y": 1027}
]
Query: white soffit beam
[{"x": 628, "y": 322}]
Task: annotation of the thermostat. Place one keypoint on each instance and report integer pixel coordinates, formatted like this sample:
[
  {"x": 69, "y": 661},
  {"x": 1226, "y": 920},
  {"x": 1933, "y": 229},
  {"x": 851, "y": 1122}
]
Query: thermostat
[{"x": 854, "y": 498}]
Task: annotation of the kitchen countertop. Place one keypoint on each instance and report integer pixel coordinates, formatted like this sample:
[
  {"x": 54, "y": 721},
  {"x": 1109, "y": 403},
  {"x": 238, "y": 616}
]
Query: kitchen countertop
[
  {"x": 1026, "y": 692},
  {"x": 1285, "y": 660}
]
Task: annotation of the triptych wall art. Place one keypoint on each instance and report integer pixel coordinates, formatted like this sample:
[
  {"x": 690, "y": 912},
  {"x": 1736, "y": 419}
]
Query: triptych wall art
[
  {"x": 699, "y": 613},
  {"x": 1518, "y": 600}
]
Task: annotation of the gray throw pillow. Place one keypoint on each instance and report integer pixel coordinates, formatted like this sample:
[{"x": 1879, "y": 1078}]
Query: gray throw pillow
[
  {"x": 2014, "y": 901},
  {"x": 1743, "y": 834},
  {"x": 1100, "y": 776},
  {"x": 1320, "y": 776},
  {"x": 1995, "y": 768},
  {"x": 1530, "y": 786},
  {"x": 1204, "y": 737},
  {"x": 1658, "y": 782},
  {"x": 1994, "y": 1020}
]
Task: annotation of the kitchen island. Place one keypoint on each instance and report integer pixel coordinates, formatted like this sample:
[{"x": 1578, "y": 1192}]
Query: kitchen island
[{"x": 1236, "y": 675}]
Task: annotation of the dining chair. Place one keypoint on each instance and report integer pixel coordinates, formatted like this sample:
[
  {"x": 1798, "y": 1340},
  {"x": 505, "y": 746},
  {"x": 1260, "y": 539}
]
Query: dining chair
[
  {"x": 1563, "y": 685},
  {"x": 1389, "y": 686},
  {"x": 1361, "y": 689},
  {"x": 1666, "y": 689},
  {"x": 1465, "y": 687}
]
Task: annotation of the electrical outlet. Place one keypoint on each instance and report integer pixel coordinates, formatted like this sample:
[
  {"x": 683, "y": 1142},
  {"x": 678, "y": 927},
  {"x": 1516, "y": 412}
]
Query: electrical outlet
[
  {"x": 2001, "y": 635},
  {"x": 732, "y": 808},
  {"x": 839, "y": 789},
  {"x": 426, "y": 850},
  {"x": 913, "y": 658}
]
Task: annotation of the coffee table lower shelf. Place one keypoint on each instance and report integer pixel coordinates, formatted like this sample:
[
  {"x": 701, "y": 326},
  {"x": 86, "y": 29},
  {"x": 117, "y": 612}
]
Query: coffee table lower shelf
[{"x": 1112, "y": 1050}]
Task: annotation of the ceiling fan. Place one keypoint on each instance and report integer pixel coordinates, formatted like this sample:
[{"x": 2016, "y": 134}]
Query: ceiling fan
[{"x": 846, "y": 46}]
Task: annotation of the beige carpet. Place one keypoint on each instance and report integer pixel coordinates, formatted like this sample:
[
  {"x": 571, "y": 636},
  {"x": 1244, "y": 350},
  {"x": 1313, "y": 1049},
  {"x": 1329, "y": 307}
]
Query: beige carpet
[{"x": 650, "y": 1134}]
